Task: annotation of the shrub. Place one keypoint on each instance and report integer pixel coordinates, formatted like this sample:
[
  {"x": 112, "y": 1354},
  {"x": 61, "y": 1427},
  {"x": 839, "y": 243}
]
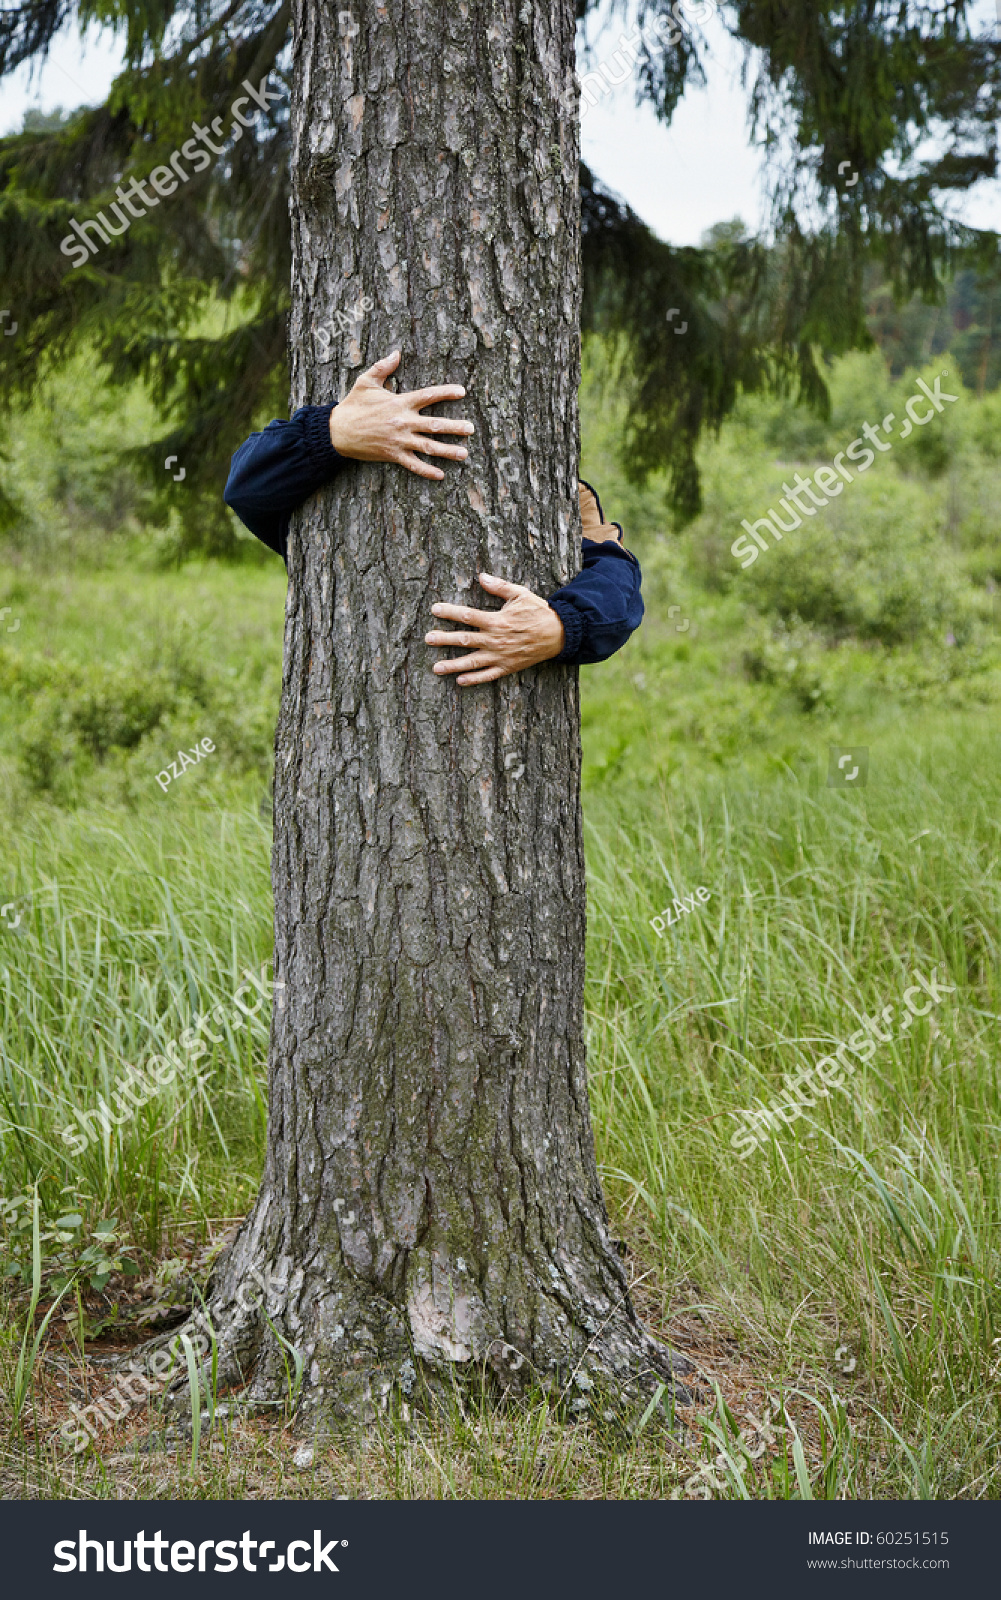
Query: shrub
[{"x": 119, "y": 710}]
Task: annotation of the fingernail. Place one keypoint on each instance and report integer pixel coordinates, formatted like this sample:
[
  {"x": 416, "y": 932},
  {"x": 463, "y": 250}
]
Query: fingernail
[{"x": 463, "y": 454}]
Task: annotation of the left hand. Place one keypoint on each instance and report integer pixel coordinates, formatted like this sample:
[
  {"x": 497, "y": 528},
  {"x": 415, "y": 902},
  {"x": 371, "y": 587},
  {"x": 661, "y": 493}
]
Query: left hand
[
  {"x": 374, "y": 423},
  {"x": 525, "y": 631}
]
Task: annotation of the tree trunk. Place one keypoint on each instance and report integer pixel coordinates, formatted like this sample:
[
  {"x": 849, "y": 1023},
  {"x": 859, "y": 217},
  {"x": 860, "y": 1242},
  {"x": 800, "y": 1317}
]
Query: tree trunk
[{"x": 431, "y": 1201}]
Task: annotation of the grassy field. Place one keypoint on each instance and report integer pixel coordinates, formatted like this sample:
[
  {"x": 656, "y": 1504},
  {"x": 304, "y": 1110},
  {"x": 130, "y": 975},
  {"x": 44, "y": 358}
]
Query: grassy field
[{"x": 838, "y": 1287}]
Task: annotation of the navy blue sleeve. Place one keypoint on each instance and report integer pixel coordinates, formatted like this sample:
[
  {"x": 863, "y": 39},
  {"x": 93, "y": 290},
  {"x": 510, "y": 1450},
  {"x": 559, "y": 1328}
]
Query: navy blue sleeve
[
  {"x": 601, "y": 607},
  {"x": 276, "y": 470}
]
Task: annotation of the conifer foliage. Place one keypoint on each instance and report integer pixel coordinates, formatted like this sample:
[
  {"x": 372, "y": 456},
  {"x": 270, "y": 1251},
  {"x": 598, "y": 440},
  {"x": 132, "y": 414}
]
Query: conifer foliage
[
  {"x": 148, "y": 303},
  {"x": 874, "y": 115}
]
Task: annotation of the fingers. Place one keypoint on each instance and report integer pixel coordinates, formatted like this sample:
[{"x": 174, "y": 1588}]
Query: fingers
[
  {"x": 413, "y": 463},
  {"x": 441, "y": 424},
  {"x": 590, "y": 513},
  {"x": 463, "y": 664},
  {"x": 381, "y": 370},
  {"x": 471, "y": 641},
  {"x": 500, "y": 586},
  {"x": 419, "y": 398},
  {"x": 466, "y": 614},
  {"x": 435, "y": 447},
  {"x": 487, "y": 676}
]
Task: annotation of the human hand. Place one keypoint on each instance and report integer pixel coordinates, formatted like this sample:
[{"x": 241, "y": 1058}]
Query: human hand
[
  {"x": 374, "y": 424},
  {"x": 525, "y": 631},
  {"x": 592, "y": 521}
]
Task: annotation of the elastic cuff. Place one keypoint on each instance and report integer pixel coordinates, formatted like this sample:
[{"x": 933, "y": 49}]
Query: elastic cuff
[
  {"x": 322, "y": 455},
  {"x": 573, "y": 628}
]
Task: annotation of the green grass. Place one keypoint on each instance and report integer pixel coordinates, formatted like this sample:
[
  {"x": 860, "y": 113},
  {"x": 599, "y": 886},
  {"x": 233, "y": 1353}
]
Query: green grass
[
  {"x": 866, "y": 1232},
  {"x": 872, "y": 1220}
]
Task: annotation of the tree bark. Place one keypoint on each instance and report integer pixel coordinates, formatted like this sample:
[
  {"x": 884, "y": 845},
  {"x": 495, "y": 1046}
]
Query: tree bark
[{"x": 431, "y": 1203}]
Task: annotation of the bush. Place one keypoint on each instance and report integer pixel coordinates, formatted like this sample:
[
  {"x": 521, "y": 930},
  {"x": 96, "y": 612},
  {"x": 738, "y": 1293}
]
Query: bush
[
  {"x": 133, "y": 718},
  {"x": 119, "y": 710},
  {"x": 790, "y": 658}
]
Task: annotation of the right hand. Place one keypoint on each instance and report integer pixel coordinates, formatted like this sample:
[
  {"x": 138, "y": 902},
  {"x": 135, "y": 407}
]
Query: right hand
[
  {"x": 593, "y": 524},
  {"x": 374, "y": 424}
]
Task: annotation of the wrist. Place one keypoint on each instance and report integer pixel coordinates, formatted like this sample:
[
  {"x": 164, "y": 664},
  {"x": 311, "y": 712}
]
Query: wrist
[
  {"x": 555, "y": 634},
  {"x": 336, "y": 436},
  {"x": 559, "y": 637},
  {"x": 572, "y": 624},
  {"x": 340, "y": 433}
]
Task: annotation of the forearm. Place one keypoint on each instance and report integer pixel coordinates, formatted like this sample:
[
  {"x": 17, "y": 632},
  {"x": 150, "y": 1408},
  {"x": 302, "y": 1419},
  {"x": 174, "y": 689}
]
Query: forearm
[
  {"x": 274, "y": 471},
  {"x": 601, "y": 607}
]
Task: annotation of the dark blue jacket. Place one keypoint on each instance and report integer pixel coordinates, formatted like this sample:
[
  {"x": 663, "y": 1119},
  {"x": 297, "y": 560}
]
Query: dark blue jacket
[{"x": 274, "y": 471}]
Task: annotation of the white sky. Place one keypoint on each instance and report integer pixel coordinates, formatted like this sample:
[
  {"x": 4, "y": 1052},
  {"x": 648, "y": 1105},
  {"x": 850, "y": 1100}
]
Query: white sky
[
  {"x": 679, "y": 179},
  {"x": 683, "y": 178},
  {"x": 75, "y": 74}
]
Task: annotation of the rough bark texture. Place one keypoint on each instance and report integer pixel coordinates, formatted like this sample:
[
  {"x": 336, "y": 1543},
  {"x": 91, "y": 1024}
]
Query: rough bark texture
[{"x": 431, "y": 1201}]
